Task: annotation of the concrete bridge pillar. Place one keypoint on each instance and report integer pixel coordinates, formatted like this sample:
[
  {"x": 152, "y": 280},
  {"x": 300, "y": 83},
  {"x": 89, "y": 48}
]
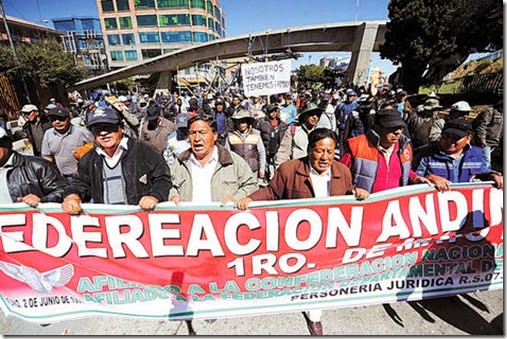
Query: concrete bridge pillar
[
  {"x": 364, "y": 42},
  {"x": 165, "y": 82}
]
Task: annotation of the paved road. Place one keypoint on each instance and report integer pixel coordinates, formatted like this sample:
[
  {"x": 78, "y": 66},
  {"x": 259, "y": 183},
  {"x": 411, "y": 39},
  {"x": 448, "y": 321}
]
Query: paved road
[{"x": 477, "y": 313}]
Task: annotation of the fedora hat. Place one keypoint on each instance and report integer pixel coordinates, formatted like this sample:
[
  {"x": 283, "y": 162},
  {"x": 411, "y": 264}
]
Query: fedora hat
[{"x": 310, "y": 107}]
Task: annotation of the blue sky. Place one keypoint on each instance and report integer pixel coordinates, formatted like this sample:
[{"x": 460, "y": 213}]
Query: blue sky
[{"x": 242, "y": 16}]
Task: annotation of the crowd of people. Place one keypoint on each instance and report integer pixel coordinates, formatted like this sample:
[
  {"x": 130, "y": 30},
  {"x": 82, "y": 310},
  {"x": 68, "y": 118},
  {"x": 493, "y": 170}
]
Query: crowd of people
[{"x": 224, "y": 147}]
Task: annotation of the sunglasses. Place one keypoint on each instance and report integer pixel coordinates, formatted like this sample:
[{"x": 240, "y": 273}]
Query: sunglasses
[
  {"x": 55, "y": 118},
  {"x": 98, "y": 129}
]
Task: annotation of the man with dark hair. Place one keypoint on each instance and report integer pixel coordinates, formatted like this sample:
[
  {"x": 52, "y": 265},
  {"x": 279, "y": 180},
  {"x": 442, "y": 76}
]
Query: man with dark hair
[
  {"x": 60, "y": 142},
  {"x": 272, "y": 130},
  {"x": 37, "y": 124},
  {"x": 156, "y": 128},
  {"x": 454, "y": 160},
  {"x": 119, "y": 169},
  {"x": 27, "y": 179},
  {"x": 223, "y": 121},
  {"x": 208, "y": 172},
  {"x": 381, "y": 159},
  {"x": 316, "y": 175}
]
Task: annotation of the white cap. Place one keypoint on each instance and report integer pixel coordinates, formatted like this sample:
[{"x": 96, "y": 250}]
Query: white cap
[
  {"x": 28, "y": 108},
  {"x": 462, "y": 106},
  {"x": 122, "y": 98}
]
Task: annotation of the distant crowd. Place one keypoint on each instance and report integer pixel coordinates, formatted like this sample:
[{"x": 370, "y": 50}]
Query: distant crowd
[{"x": 212, "y": 146}]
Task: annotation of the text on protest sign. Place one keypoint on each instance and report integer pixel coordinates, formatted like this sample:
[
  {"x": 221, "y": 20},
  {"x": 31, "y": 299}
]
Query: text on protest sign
[
  {"x": 266, "y": 78},
  {"x": 180, "y": 262}
]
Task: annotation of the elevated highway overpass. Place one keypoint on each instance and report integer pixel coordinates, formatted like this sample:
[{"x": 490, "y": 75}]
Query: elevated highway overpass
[{"x": 360, "y": 38}]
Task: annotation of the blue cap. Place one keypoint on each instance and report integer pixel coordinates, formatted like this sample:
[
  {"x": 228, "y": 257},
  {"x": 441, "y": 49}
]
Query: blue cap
[
  {"x": 103, "y": 115},
  {"x": 351, "y": 93}
]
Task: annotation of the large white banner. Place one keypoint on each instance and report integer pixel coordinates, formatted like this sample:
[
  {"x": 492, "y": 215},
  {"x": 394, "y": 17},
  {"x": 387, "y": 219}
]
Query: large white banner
[{"x": 266, "y": 78}]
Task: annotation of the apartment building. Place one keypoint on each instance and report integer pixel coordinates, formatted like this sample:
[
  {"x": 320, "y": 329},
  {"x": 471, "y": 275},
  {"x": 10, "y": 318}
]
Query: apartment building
[
  {"x": 136, "y": 30},
  {"x": 83, "y": 39}
]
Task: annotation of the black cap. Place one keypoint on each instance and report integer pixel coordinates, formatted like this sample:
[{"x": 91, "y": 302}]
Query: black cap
[
  {"x": 153, "y": 112},
  {"x": 389, "y": 118},
  {"x": 59, "y": 112},
  {"x": 459, "y": 127},
  {"x": 271, "y": 107}
]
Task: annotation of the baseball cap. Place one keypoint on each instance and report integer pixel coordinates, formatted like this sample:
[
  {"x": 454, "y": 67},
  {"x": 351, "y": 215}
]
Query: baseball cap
[
  {"x": 28, "y": 108},
  {"x": 153, "y": 112},
  {"x": 182, "y": 120},
  {"x": 122, "y": 98},
  {"x": 462, "y": 106},
  {"x": 103, "y": 115},
  {"x": 271, "y": 107},
  {"x": 351, "y": 93},
  {"x": 59, "y": 112},
  {"x": 459, "y": 127},
  {"x": 50, "y": 106}
]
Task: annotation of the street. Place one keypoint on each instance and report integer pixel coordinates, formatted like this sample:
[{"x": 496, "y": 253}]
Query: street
[{"x": 478, "y": 313}]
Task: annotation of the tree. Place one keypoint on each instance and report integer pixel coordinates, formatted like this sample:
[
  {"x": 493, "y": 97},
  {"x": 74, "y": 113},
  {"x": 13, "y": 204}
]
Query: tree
[
  {"x": 313, "y": 76},
  {"x": 44, "y": 65},
  {"x": 430, "y": 38}
]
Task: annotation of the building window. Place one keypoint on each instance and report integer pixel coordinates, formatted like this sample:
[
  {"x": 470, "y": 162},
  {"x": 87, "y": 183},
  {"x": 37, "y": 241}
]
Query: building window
[
  {"x": 122, "y": 5},
  {"x": 151, "y": 53},
  {"x": 209, "y": 7},
  {"x": 172, "y": 3},
  {"x": 128, "y": 39},
  {"x": 211, "y": 37},
  {"x": 144, "y": 4},
  {"x": 198, "y": 4},
  {"x": 107, "y": 5},
  {"x": 217, "y": 12},
  {"x": 211, "y": 23},
  {"x": 125, "y": 22},
  {"x": 148, "y": 37},
  {"x": 198, "y": 20},
  {"x": 110, "y": 23},
  {"x": 146, "y": 20},
  {"x": 113, "y": 39},
  {"x": 200, "y": 36},
  {"x": 117, "y": 55},
  {"x": 131, "y": 55},
  {"x": 185, "y": 36},
  {"x": 174, "y": 20}
]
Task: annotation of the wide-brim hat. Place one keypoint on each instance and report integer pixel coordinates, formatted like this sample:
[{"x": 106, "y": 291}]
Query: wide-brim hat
[
  {"x": 242, "y": 114},
  {"x": 432, "y": 104},
  {"x": 310, "y": 108},
  {"x": 461, "y": 106}
]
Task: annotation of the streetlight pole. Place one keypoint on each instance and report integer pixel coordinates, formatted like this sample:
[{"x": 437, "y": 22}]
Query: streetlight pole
[{"x": 13, "y": 50}]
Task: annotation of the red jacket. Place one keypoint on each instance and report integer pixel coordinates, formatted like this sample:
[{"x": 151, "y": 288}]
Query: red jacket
[{"x": 292, "y": 181}]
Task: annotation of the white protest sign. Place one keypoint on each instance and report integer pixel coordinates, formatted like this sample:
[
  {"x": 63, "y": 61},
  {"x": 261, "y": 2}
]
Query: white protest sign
[{"x": 266, "y": 78}]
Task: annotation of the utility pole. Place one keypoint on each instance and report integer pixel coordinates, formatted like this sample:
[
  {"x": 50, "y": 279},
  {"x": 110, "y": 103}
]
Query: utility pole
[{"x": 13, "y": 50}]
